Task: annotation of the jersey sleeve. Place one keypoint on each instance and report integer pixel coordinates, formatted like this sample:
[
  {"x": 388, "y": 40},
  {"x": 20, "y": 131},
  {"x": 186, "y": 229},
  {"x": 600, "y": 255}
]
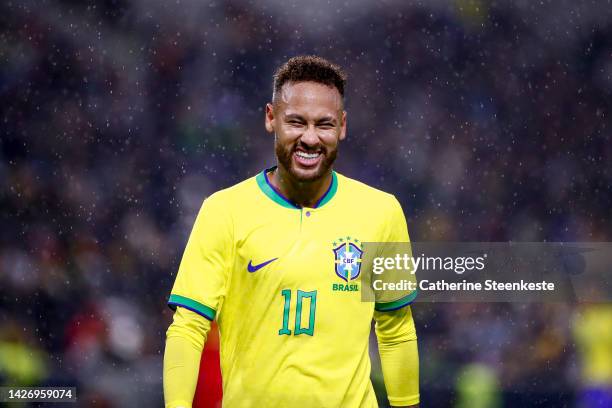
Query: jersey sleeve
[
  {"x": 399, "y": 356},
  {"x": 204, "y": 270},
  {"x": 185, "y": 340},
  {"x": 396, "y": 231}
]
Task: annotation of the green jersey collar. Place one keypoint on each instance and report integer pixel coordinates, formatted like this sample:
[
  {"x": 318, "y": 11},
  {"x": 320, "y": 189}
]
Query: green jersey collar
[{"x": 268, "y": 189}]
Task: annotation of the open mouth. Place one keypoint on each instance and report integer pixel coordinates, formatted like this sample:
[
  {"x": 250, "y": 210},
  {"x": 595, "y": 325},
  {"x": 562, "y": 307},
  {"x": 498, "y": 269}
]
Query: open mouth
[{"x": 307, "y": 159}]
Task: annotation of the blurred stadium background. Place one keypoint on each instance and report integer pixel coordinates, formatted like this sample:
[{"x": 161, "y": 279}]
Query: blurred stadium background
[{"x": 489, "y": 120}]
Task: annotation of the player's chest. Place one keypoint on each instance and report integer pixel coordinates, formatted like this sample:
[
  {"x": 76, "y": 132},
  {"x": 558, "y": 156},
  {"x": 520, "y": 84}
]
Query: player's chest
[{"x": 310, "y": 252}]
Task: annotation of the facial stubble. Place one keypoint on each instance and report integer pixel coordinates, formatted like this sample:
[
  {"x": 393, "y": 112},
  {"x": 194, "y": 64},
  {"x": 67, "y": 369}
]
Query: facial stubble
[{"x": 285, "y": 159}]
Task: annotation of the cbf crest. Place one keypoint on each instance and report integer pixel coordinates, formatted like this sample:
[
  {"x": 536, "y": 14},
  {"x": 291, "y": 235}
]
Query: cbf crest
[{"x": 347, "y": 254}]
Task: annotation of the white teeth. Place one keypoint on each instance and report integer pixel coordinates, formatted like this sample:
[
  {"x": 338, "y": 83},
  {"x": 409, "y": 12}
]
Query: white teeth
[{"x": 307, "y": 155}]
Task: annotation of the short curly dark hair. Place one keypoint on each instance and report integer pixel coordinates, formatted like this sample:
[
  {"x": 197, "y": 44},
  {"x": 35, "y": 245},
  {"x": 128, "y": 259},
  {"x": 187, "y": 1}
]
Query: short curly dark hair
[{"x": 310, "y": 68}]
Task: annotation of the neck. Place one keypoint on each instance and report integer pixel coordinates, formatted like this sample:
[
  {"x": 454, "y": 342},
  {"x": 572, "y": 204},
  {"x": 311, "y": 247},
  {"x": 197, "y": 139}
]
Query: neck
[{"x": 302, "y": 193}]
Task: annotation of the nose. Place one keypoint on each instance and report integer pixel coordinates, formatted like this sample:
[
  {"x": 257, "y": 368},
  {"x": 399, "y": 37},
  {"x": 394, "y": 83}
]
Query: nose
[{"x": 310, "y": 137}]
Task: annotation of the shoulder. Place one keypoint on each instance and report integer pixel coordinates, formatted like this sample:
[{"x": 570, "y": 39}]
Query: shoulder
[
  {"x": 235, "y": 192},
  {"x": 228, "y": 200},
  {"x": 367, "y": 195}
]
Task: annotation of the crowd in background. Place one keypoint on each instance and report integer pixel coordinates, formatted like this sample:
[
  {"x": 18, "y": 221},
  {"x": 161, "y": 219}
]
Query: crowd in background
[{"x": 488, "y": 121}]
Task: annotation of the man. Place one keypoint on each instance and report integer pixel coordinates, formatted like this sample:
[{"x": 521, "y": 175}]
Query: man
[{"x": 275, "y": 260}]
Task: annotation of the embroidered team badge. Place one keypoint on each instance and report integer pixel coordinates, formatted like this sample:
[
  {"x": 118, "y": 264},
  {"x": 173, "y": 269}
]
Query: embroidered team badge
[{"x": 347, "y": 254}]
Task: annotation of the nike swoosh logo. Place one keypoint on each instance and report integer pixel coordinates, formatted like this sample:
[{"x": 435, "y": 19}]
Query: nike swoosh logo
[{"x": 255, "y": 268}]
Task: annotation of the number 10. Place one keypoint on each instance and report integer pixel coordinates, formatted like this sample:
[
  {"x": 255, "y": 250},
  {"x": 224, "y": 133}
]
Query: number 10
[{"x": 301, "y": 295}]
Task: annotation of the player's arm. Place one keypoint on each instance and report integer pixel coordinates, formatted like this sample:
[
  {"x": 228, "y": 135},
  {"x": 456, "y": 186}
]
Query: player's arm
[
  {"x": 397, "y": 340},
  {"x": 185, "y": 340},
  {"x": 397, "y": 346},
  {"x": 198, "y": 290}
]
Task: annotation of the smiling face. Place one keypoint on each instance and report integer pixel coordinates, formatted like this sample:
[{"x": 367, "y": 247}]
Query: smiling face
[{"x": 308, "y": 122}]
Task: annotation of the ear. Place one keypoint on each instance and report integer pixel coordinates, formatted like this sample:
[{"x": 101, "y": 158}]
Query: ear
[
  {"x": 343, "y": 126},
  {"x": 270, "y": 118}
]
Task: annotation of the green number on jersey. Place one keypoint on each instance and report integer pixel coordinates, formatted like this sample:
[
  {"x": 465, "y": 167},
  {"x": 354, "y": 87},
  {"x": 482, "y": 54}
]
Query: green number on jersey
[{"x": 301, "y": 295}]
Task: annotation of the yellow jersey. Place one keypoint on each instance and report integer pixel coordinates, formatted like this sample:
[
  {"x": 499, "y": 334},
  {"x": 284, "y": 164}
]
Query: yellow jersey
[
  {"x": 282, "y": 282},
  {"x": 593, "y": 337}
]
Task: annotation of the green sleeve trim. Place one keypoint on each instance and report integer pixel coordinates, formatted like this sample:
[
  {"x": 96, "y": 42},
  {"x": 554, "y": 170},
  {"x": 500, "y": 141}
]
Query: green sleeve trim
[
  {"x": 190, "y": 304},
  {"x": 396, "y": 304}
]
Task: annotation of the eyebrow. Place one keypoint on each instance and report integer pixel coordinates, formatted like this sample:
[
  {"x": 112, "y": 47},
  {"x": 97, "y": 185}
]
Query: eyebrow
[
  {"x": 295, "y": 116},
  {"x": 326, "y": 119}
]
